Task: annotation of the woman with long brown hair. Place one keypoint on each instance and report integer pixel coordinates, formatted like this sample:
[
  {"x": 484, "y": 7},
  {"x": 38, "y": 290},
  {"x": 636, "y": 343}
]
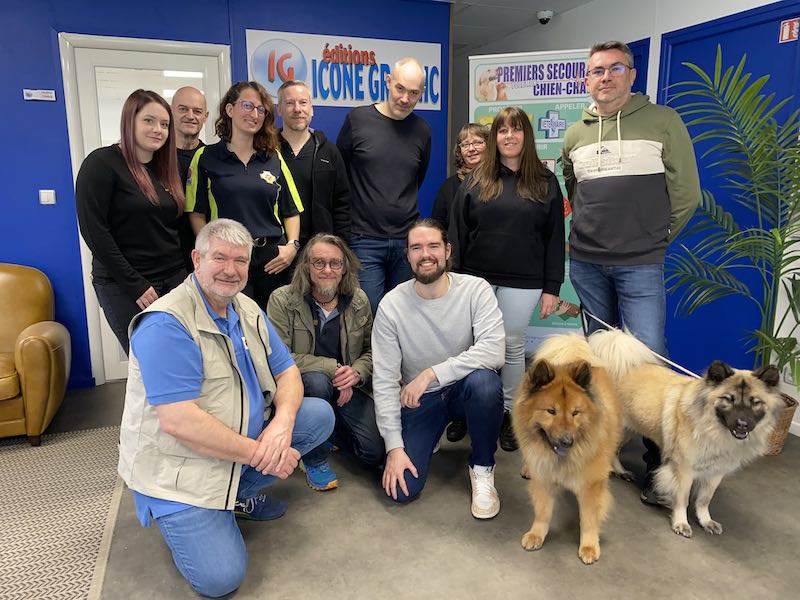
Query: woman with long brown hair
[
  {"x": 507, "y": 226},
  {"x": 467, "y": 153},
  {"x": 243, "y": 177},
  {"x": 129, "y": 198}
]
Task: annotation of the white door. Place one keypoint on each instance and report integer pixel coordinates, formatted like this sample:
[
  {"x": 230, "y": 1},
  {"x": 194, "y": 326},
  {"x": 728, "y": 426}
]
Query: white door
[{"x": 99, "y": 74}]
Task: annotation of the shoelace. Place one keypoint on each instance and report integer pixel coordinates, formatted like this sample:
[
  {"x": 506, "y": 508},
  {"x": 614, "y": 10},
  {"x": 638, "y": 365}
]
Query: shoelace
[
  {"x": 483, "y": 486},
  {"x": 250, "y": 504}
]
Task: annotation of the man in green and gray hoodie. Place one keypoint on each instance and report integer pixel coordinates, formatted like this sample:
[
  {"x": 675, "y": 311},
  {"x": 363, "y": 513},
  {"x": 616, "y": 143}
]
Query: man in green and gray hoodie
[{"x": 632, "y": 180}]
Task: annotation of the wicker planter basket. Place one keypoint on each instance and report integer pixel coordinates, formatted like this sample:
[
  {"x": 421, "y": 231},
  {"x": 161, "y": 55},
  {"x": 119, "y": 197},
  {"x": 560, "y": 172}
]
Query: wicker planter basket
[{"x": 778, "y": 436}]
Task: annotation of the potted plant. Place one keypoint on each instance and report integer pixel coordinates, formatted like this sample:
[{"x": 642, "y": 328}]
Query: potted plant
[{"x": 755, "y": 151}]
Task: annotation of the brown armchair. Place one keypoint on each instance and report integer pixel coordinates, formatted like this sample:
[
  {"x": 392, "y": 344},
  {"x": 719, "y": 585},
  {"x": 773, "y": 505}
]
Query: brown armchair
[{"x": 34, "y": 353}]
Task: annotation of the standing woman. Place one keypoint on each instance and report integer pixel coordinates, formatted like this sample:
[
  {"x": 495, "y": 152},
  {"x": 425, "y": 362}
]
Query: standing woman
[
  {"x": 467, "y": 153},
  {"x": 129, "y": 198},
  {"x": 243, "y": 177},
  {"x": 507, "y": 226}
]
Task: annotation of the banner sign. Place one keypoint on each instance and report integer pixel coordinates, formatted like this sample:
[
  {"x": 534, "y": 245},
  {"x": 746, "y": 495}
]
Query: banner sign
[
  {"x": 550, "y": 88},
  {"x": 339, "y": 70}
]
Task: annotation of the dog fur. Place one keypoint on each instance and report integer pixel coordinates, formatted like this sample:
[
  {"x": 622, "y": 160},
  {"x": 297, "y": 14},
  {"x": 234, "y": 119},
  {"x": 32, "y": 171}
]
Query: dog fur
[
  {"x": 568, "y": 423},
  {"x": 706, "y": 428}
]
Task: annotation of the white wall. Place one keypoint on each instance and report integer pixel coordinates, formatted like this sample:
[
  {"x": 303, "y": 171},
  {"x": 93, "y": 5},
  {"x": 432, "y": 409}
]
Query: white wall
[{"x": 601, "y": 20}]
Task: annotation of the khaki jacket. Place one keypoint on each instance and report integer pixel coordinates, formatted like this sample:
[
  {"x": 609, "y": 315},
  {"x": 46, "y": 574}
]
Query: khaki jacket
[
  {"x": 157, "y": 464},
  {"x": 291, "y": 316}
]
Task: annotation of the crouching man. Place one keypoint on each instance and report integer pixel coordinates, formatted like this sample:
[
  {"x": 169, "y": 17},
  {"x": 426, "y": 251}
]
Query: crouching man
[{"x": 214, "y": 412}]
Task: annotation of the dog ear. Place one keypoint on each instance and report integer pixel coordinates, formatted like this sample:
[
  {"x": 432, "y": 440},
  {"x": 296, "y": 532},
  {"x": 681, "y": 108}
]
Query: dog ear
[
  {"x": 541, "y": 374},
  {"x": 718, "y": 372},
  {"x": 769, "y": 375},
  {"x": 582, "y": 374}
]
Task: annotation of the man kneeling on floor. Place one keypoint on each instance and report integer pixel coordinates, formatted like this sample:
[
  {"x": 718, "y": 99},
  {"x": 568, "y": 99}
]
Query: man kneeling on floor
[
  {"x": 214, "y": 412},
  {"x": 326, "y": 321},
  {"x": 437, "y": 342}
]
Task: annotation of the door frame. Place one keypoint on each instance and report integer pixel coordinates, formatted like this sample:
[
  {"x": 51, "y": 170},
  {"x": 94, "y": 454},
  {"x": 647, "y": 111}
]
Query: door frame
[{"x": 68, "y": 43}]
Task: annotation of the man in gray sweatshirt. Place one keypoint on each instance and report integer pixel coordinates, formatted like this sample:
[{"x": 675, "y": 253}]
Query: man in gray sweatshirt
[{"x": 437, "y": 343}]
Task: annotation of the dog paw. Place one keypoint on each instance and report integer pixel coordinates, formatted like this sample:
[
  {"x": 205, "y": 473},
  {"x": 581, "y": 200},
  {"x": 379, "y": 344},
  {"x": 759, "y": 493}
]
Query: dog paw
[
  {"x": 531, "y": 541},
  {"x": 625, "y": 475},
  {"x": 683, "y": 529},
  {"x": 712, "y": 527},
  {"x": 589, "y": 554}
]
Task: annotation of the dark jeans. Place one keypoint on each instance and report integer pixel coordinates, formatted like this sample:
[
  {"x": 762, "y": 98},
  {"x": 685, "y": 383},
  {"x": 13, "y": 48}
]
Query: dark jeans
[
  {"x": 355, "y": 422},
  {"x": 383, "y": 265},
  {"x": 476, "y": 399},
  {"x": 119, "y": 308},
  {"x": 259, "y": 283}
]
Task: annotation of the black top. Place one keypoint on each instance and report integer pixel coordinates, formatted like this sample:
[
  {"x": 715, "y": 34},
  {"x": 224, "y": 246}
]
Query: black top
[
  {"x": 185, "y": 159},
  {"x": 510, "y": 241},
  {"x": 258, "y": 195},
  {"x": 444, "y": 200},
  {"x": 386, "y": 161},
  {"x": 300, "y": 165},
  {"x": 133, "y": 242}
]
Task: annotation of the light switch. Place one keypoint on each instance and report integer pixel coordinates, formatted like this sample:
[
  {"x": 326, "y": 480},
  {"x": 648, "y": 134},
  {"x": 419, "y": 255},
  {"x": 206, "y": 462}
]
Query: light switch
[{"x": 47, "y": 196}]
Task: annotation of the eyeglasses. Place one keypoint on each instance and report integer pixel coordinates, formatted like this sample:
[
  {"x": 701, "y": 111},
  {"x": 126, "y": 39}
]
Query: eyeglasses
[
  {"x": 477, "y": 145},
  {"x": 616, "y": 70},
  {"x": 335, "y": 264},
  {"x": 248, "y": 106}
]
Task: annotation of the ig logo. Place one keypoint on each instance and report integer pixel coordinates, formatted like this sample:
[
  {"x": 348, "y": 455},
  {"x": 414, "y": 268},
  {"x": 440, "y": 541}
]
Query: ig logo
[{"x": 276, "y": 61}]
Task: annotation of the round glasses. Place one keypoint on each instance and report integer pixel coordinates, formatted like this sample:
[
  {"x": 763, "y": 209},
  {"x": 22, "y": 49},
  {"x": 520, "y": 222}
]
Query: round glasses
[
  {"x": 335, "y": 264},
  {"x": 248, "y": 106},
  {"x": 616, "y": 70},
  {"x": 477, "y": 145}
]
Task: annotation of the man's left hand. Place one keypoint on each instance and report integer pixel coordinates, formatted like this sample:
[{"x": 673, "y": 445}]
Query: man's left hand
[
  {"x": 286, "y": 254},
  {"x": 412, "y": 392},
  {"x": 344, "y": 377},
  {"x": 272, "y": 457}
]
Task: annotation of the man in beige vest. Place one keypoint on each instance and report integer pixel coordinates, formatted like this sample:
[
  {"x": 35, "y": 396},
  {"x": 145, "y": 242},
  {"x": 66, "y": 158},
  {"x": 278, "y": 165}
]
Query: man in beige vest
[{"x": 214, "y": 413}]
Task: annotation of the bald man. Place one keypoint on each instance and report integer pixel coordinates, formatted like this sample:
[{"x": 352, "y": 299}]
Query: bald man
[
  {"x": 190, "y": 112},
  {"x": 386, "y": 148}
]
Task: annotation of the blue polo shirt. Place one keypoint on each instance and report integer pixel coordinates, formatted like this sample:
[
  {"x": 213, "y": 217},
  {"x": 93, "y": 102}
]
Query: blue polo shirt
[
  {"x": 259, "y": 194},
  {"x": 172, "y": 371}
]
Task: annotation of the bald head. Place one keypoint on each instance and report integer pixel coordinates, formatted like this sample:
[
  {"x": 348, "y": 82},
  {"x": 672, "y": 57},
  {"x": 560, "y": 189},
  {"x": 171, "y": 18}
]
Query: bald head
[
  {"x": 190, "y": 113},
  {"x": 406, "y": 84}
]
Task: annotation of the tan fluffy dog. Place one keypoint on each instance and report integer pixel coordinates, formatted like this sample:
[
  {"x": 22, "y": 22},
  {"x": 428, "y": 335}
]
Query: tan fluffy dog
[
  {"x": 568, "y": 425},
  {"x": 705, "y": 428}
]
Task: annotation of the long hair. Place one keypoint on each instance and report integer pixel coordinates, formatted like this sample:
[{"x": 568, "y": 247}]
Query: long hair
[
  {"x": 470, "y": 129},
  {"x": 165, "y": 159},
  {"x": 266, "y": 139},
  {"x": 532, "y": 176},
  {"x": 301, "y": 280}
]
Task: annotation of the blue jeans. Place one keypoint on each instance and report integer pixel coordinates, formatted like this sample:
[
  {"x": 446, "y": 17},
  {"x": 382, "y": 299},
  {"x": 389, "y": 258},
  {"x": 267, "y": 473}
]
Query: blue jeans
[
  {"x": 635, "y": 293},
  {"x": 517, "y": 306},
  {"x": 355, "y": 422},
  {"x": 206, "y": 545},
  {"x": 383, "y": 265},
  {"x": 476, "y": 399}
]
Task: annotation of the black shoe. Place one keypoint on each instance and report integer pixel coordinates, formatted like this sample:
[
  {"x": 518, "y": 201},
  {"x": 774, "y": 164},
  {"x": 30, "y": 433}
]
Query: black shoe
[
  {"x": 507, "y": 440},
  {"x": 456, "y": 431}
]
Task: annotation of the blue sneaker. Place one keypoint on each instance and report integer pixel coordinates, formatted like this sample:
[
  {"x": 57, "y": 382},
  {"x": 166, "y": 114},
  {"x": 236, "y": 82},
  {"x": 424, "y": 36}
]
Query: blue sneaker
[
  {"x": 260, "y": 508},
  {"x": 320, "y": 477}
]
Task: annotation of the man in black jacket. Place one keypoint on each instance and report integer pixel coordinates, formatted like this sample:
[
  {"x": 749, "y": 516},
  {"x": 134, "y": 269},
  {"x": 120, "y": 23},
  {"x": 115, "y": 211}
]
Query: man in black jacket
[{"x": 316, "y": 165}]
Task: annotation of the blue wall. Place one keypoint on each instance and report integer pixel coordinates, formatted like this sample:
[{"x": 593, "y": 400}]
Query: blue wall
[{"x": 36, "y": 155}]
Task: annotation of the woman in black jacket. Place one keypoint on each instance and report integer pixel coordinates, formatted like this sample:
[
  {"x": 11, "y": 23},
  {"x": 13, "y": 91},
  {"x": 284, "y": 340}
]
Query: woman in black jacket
[
  {"x": 129, "y": 198},
  {"x": 507, "y": 226}
]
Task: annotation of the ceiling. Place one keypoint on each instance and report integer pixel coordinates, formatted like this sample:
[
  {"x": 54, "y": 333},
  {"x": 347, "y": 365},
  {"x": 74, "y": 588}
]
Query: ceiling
[{"x": 478, "y": 22}]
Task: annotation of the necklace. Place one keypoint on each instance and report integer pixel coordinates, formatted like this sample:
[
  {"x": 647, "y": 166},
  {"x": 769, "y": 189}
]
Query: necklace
[{"x": 328, "y": 303}]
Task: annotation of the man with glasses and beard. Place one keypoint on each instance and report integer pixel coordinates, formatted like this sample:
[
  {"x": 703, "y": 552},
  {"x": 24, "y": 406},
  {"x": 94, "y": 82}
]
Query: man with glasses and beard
[
  {"x": 325, "y": 320},
  {"x": 437, "y": 342}
]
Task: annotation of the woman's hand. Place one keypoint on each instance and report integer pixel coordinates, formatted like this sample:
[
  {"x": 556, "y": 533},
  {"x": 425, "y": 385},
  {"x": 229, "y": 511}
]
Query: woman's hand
[
  {"x": 548, "y": 304},
  {"x": 147, "y": 298},
  {"x": 286, "y": 254}
]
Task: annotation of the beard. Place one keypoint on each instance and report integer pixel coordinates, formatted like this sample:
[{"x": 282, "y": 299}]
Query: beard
[
  {"x": 427, "y": 278},
  {"x": 326, "y": 290}
]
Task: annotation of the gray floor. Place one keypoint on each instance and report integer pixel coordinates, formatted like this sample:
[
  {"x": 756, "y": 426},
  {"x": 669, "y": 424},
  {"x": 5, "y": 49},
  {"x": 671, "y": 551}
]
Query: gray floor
[{"x": 353, "y": 543}]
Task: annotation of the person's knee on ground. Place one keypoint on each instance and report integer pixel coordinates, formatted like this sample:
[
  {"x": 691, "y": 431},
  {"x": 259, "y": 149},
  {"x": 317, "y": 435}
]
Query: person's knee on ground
[{"x": 227, "y": 577}]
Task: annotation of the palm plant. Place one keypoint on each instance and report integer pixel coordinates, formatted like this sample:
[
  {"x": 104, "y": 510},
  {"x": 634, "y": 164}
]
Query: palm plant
[{"x": 755, "y": 151}]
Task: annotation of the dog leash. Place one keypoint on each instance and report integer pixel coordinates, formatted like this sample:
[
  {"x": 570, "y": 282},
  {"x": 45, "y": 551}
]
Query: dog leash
[{"x": 666, "y": 360}]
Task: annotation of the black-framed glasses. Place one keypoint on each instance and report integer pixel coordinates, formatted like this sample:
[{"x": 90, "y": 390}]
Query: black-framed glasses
[
  {"x": 320, "y": 263},
  {"x": 616, "y": 70},
  {"x": 248, "y": 106},
  {"x": 477, "y": 145}
]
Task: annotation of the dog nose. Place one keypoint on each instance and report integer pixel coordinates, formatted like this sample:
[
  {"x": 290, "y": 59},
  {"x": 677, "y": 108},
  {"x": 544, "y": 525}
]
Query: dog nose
[
  {"x": 566, "y": 441},
  {"x": 742, "y": 424}
]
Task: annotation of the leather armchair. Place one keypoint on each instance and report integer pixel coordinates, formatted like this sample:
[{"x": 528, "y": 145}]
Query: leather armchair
[{"x": 35, "y": 353}]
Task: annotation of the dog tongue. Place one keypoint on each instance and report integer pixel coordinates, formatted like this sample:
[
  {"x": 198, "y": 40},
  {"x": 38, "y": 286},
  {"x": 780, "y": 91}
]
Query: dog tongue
[{"x": 740, "y": 435}]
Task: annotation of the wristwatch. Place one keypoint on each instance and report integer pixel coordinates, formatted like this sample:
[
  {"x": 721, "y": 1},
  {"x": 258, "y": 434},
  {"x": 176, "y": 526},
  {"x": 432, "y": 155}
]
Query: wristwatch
[{"x": 295, "y": 243}]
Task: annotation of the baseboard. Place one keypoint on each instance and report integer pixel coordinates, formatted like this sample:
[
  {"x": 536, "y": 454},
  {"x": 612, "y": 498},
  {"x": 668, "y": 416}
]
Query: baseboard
[{"x": 794, "y": 428}]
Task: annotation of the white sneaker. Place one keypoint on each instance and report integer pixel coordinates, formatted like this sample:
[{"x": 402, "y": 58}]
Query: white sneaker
[{"x": 485, "y": 501}]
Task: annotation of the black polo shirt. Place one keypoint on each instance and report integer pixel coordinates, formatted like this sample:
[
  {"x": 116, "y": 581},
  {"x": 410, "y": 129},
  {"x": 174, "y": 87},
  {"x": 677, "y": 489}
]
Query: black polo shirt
[
  {"x": 301, "y": 165},
  {"x": 185, "y": 159},
  {"x": 259, "y": 194}
]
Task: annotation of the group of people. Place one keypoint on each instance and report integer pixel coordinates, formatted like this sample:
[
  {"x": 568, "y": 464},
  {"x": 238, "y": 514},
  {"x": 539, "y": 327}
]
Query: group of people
[{"x": 360, "y": 326}]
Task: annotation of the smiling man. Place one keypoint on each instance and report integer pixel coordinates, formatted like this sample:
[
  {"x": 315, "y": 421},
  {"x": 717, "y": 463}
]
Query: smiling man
[
  {"x": 386, "y": 148},
  {"x": 437, "y": 343}
]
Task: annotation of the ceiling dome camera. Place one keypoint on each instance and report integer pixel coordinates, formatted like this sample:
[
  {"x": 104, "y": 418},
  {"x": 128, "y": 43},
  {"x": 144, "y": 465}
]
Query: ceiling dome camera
[{"x": 544, "y": 16}]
